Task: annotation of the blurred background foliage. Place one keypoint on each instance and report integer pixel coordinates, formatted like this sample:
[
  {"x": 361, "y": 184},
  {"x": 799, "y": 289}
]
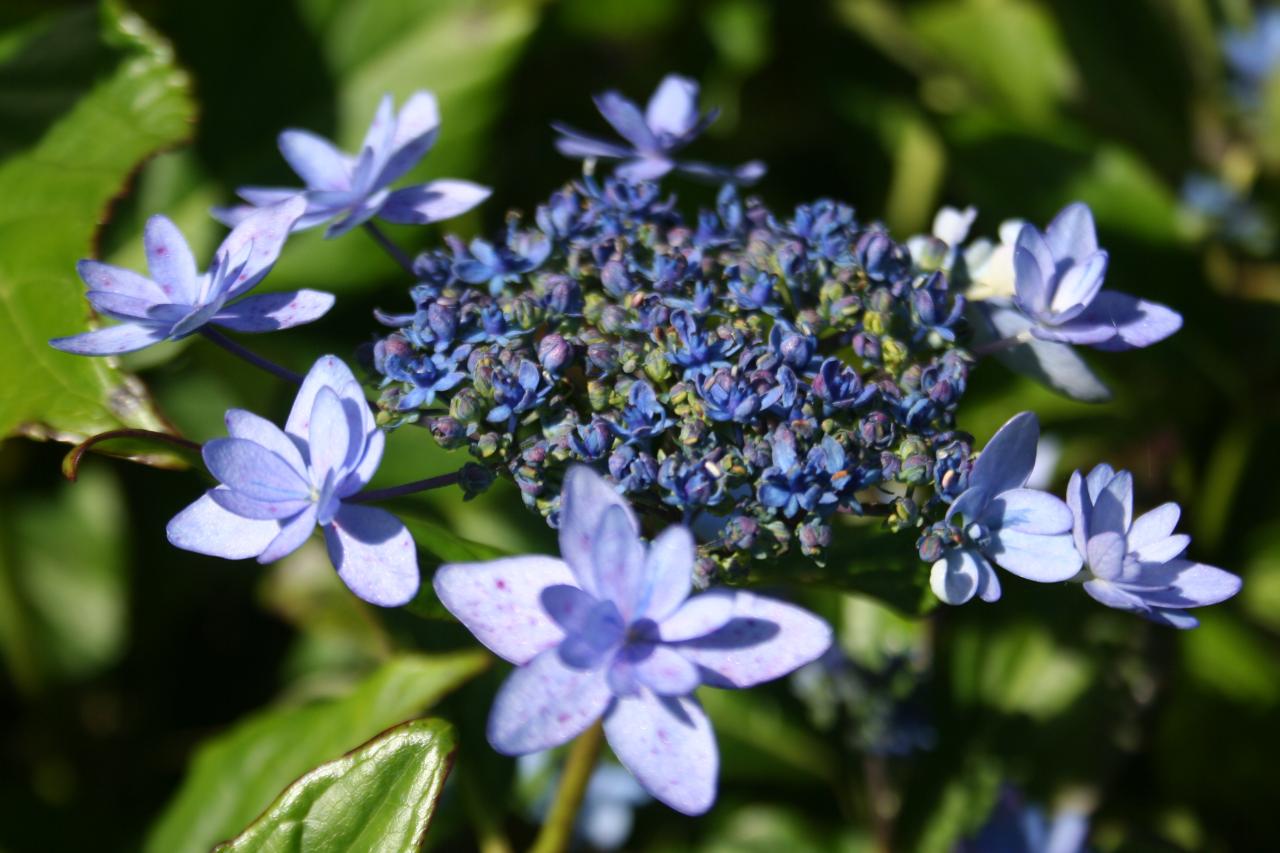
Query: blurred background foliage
[{"x": 151, "y": 697}]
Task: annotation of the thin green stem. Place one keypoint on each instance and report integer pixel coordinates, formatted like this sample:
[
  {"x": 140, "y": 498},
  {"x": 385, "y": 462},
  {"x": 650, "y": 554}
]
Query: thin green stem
[
  {"x": 397, "y": 254},
  {"x": 557, "y": 832},
  {"x": 248, "y": 355}
]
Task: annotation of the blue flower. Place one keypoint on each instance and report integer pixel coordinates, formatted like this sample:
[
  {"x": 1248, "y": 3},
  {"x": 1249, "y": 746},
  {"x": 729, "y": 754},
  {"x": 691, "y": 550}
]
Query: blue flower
[
  {"x": 178, "y": 301},
  {"x": 1016, "y": 827},
  {"x": 611, "y": 631},
  {"x": 277, "y": 486},
  {"x": 353, "y": 190},
  {"x": 483, "y": 262},
  {"x": 634, "y": 470},
  {"x": 592, "y": 440},
  {"x": 727, "y": 396},
  {"x": 428, "y": 373},
  {"x": 1026, "y": 532},
  {"x": 1254, "y": 53},
  {"x": 760, "y": 295},
  {"x": 797, "y": 350},
  {"x": 643, "y": 417},
  {"x": 516, "y": 393},
  {"x": 792, "y": 484},
  {"x": 696, "y": 351},
  {"x": 1136, "y": 564},
  {"x": 1058, "y": 287},
  {"x": 689, "y": 483},
  {"x": 669, "y": 122},
  {"x": 839, "y": 387}
]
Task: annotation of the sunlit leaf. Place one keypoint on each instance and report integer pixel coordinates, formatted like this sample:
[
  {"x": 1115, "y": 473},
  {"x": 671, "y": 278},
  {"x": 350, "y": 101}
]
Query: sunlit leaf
[
  {"x": 234, "y": 776},
  {"x": 379, "y": 797},
  {"x": 109, "y": 95}
]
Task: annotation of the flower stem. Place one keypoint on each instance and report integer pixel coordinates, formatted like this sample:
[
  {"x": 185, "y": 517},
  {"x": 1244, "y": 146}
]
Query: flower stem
[
  {"x": 248, "y": 355},
  {"x": 557, "y": 831},
  {"x": 406, "y": 489},
  {"x": 397, "y": 254}
]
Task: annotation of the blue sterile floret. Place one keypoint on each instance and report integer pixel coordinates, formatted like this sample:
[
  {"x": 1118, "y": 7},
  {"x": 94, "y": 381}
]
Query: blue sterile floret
[{"x": 348, "y": 191}]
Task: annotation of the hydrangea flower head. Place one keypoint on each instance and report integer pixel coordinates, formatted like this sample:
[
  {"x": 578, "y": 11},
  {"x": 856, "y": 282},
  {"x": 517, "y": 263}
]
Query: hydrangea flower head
[
  {"x": 177, "y": 300},
  {"x": 354, "y": 189},
  {"x": 610, "y": 630},
  {"x": 1024, "y": 531},
  {"x": 278, "y": 485},
  {"x": 1058, "y": 278},
  {"x": 1136, "y": 564},
  {"x": 651, "y": 137}
]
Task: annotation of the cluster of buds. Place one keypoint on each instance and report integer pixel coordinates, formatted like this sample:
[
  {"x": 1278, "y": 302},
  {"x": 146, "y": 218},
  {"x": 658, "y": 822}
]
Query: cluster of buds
[{"x": 750, "y": 374}]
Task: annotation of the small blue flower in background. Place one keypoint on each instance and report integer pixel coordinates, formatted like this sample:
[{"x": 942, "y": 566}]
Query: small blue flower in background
[
  {"x": 178, "y": 300},
  {"x": 483, "y": 262},
  {"x": 1024, "y": 531},
  {"x": 1254, "y": 53},
  {"x": 608, "y": 807},
  {"x": 1058, "y": 286},
  {"x": 610, "y": 630},
  {"x": 652, "y": 137},
  {"x": 1018, "y": 827},
  {"x": 278, "y": 485},
  {"x": 1136, "y": 564},
  {"x": 353, "y": 190}
]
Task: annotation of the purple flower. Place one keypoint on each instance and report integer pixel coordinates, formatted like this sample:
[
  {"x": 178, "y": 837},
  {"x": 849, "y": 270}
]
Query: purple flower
[
  {"x": 1024, "y": 531},
  {"x": 652, "y": 137},
  {"x": 1137, "y": 564},
  {"x": 610, "y": 630},
  {"x": 483, "y": 262},
  {"x": 353, "y": 190},
  {"x": 276, "y": 486},
  {"x": 178, "y": 301},
  {"x": 1058, "y": 286}
]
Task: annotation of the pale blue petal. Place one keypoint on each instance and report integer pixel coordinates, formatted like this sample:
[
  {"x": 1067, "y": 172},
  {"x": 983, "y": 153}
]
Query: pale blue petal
[
  {"x": 268, "y": 312},
  {"x": 1154, "y": 525},
  {"x": 583, "y": 502},
  {"x": 764, "y": 640},
  {"x": 374, "y": 555},
  {"x": 499, "y": 602},
  {"x": 644, "y": 168},
  {"x": 1036, "y": 557},
  {"x": 1113, "y": 506},
  {"x": 254, "y": 470},
  {"x": 246, "y": 507},
  {"x": 293, "y": 533},
  {"x": 698, "y": 616},
  {"x": 1080, "y": 284},
  {"x": 170, "y": 261},
  {"x": 1071, "y": 234},
  {"x": 665, "y": 671},
  {"x": 668, "y": 572},
  {"x": 264, "y": 233},
  {"x": 673, "y": 108},
  {"x": 625, "y": 117},
  {"x": 432, "y": 202},
  {"x": 111, "y": 279},
  {"x": 618, "y": 558},
  {"x": 1106, "y": 553},
  {"x": 668, "y": 745},
  {"x": 113, "y": 340},
  {"x": 1028, "y": 510},
  {"x": 956, "y": 577},
  {"x": 207, "y": 528},
  {"x": 1081, "y": 505},
  {"x": 544, "y": 704},
  {"x": 1118, "y": 321},
  {"x": 416, "y": 128},
  {"x": 1055, "y": 365},
  {"x": 1006, "y": 462},
  {"x": 1161, "y": 550},
  {"x": 329, "y": 371},
  {"x": 1189, "y": 584},
  {"x": 316, "y": 160},
  {"x": 1033, "y": 270}
]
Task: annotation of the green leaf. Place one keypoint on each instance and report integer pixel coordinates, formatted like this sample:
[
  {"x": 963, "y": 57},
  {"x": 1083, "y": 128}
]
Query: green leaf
[
  {"x": 379, "y": 797},
  {"x": 106, "y": 94},
  {"x": 63, "y": 580},
  {"x": 234, "y": 776},
  {"x": 1020, "y": 669}
]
